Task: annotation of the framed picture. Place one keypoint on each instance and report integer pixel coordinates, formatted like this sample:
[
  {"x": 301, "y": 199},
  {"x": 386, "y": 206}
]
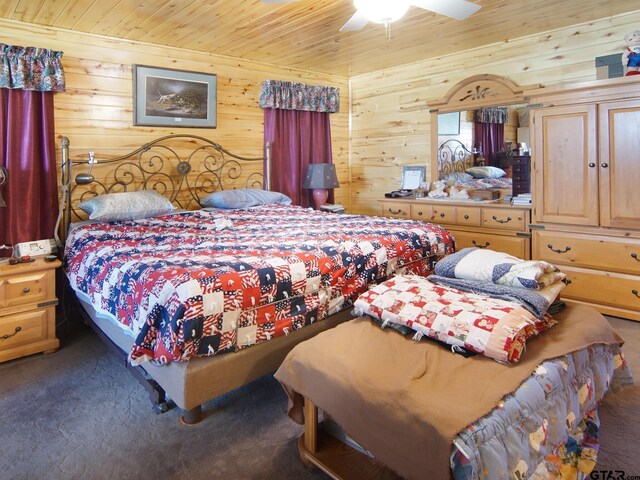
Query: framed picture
[
  {"x": 449, "y": 123},
  {"x": 177, "y": 98},
  {"x": 412, "y": 177}
]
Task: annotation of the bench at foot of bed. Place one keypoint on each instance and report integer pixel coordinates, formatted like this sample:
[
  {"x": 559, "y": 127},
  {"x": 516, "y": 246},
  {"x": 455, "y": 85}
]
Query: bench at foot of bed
[{"x": 318, "y": 449}]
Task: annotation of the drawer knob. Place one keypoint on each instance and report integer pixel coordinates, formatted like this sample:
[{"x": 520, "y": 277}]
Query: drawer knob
[
  {"x": 592, "y": 164},
  {"x": 26, "y": 290},
  {"x": 486, "y": 244},
  {"x": 4, "y": 337},
  {"x": 442, "y": 215},
  {"x": 566, "y": 281},
  {"x": 635, "y": 292},
  {"x": 635, "y": 257},
  {"x": 466, "y": 217},
  {"x": 420, "y": 213},
  {"x": 501, "y": 221},
  {"x": 557, "y": 250},
  {"x": 604, "y": 165},
  {"x": 395, "y": 212}
]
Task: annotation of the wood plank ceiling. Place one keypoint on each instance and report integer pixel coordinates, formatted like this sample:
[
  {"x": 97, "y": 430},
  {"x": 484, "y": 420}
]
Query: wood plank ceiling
[{"x": 305, "y": 34}]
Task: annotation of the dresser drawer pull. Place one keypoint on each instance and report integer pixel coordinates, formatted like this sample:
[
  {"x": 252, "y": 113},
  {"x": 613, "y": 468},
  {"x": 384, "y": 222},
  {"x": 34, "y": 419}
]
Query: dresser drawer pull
[
  {"x": 395, "y": 212},
  {"x": 635, "y": 292},
  {"x": 420, "y": 213},
  {"x": 501, "y": 221},
  {"x": 466, "y": 217},
  {"x": 592, "y": 165},
  {"x": 486, "y": 244},
  {"x": 442, "y": 215},
  {"x": 26, "y": 290},
  {"x": 635, "y": 257},
  {"x": 566, "y": 281},
  {"x": 4, "y": 337},
  {"x": 557, "y": 250}
]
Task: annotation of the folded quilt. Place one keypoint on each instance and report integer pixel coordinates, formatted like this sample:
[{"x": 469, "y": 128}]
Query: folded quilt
[
  {"x": 493, "y": 327},
  {"x": 535, "y": 301},
  {"x": 500, "y": 268}
]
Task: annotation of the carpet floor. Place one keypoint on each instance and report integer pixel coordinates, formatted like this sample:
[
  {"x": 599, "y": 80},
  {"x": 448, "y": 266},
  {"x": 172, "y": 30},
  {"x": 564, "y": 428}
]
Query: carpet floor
[{"x": 77, "y": 414}]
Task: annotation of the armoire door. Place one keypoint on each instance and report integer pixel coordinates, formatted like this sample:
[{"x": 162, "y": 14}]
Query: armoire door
[
  {"x": 565, "y": 165},
  {"x": 619, "y": 165}
]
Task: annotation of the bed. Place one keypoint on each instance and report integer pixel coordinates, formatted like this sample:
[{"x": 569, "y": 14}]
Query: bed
[
  {"x": 395, "y": 407},
  {"x": 201, "y": 301}
]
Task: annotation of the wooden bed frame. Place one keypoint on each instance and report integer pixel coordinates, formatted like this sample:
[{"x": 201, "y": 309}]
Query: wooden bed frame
[{"x": 184, "y": 168}]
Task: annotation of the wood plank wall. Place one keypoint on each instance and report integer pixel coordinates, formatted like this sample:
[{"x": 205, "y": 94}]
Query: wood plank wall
[
  {"x": 390, "y": 116},
  {"x": 96, "y": 111}
]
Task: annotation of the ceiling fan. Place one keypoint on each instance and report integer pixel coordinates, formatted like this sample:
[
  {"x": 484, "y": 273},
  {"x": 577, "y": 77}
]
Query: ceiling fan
[{"x": 387, "y": 11}]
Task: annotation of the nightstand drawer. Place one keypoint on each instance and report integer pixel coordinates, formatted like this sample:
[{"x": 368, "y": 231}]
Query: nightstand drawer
[
  {"x": 24, "y": 328},
  {"x": 503, "y": 218},
  {"x": 27, "y": 288},
  {"x": 396, "y": 209}
]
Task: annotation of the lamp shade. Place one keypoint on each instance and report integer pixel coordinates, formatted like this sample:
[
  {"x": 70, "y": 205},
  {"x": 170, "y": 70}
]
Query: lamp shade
[{"x": 321, "y": 175}]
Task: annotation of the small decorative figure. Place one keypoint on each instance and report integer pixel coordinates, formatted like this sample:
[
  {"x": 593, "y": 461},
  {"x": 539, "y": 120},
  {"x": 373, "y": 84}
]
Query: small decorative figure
[
  {"x": 631, "y": 54},
  {"x": 458, "y": 192},
  {"x": 438, "y": 190}
]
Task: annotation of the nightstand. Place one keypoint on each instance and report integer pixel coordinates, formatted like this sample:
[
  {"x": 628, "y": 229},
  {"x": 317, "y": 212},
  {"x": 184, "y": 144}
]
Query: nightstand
[{"x": 28, "y": 308}]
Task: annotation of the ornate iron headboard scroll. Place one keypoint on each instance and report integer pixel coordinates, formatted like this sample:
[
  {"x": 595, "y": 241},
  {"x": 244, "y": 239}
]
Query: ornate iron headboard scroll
[
  {"x": 182, "y": 167},
  {"x": 453, "y": 156}
]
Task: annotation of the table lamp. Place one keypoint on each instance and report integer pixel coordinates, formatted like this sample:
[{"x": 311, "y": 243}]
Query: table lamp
[{"x": 321, "y": 177}]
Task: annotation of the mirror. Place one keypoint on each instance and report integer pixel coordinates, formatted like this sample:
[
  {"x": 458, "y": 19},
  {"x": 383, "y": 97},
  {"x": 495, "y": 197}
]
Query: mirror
[{"x": 458, "y": 141}]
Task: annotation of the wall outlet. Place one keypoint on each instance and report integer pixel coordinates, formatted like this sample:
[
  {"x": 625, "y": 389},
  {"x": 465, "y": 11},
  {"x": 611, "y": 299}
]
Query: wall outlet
[{"x": 38, "y": 247}]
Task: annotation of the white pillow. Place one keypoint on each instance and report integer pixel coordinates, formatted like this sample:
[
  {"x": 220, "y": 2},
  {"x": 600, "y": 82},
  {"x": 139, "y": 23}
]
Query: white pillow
[
  {"x": 244, "y": 198},
  {"x": 458, "y": 177},
  {"x": 486, "y": 172},
  {"x": 113, "y": 207}
]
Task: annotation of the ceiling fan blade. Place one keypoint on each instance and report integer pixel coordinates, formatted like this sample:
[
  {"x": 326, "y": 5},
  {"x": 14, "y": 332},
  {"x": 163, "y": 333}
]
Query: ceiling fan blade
[
  {"x": 356, "y": 22},
  {"x": 458, "y": 9}
]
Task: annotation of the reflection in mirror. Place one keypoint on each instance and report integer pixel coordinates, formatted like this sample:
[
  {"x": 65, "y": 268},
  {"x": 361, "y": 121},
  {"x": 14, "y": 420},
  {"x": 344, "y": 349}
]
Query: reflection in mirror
[{"x": 485, "y": 136}]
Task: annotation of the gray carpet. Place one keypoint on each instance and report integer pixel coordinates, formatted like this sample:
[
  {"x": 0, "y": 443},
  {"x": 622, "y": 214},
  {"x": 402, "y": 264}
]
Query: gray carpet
[{"x": 77, "y": 414}]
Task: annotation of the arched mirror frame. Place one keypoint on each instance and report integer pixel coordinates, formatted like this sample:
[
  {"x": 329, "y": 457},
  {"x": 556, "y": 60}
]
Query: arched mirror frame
[{"x": 485, "y": 90}]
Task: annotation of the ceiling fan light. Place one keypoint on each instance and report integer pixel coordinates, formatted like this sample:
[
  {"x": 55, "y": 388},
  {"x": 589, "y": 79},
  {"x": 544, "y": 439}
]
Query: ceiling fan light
[{"x": 382, "y": 11}]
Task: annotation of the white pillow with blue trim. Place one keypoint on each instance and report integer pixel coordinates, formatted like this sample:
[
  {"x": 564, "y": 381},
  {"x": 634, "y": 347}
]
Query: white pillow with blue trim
[
  {"x": 486, "y": 172},
  {"x": 244, "y": 198},
  {"x": 113, "y": 207}
]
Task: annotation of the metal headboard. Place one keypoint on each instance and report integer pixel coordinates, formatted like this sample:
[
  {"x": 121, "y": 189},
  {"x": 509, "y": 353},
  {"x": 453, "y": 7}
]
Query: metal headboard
[
  {"x": 182, "y": 167},
  {"x": 453, "y": 156}
]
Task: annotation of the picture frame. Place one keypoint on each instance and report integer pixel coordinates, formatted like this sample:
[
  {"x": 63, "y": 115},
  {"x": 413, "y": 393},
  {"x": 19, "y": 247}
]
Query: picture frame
[
  {"x": 412, "y": 176},
  {"x": 449, "y": 123},
  {"x": 176, "y": 98}
]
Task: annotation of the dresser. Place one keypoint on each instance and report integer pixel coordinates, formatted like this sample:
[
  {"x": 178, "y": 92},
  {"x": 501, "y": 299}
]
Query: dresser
[
  {"x": 493, "y": 225},
  {"x": 521, "y": 174},
  {"x": 586, "y": 173},
  {"x": 27, "y": 308}
]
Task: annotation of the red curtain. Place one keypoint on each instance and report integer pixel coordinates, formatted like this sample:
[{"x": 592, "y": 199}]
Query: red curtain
[
  {"x": 297, "y": 138},
  {"x": 27, "y": 149},
  {"x": 490, "y": 139}
]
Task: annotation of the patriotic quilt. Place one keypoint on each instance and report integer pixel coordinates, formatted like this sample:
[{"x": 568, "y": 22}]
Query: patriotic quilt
[
  {"x": 494, "y": 327},
  {"x": 204, "y": 282}
]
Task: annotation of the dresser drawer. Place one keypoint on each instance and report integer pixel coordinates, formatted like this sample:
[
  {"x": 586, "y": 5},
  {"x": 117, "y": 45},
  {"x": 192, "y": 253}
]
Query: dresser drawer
[
  {"x": 588, "y": 251},
  {"x": 516, "y": 246},
  {"x": 27, "y": 288},
  {"x": 468, "y": 216},
  {"x": 25, "y": 328},
  {"x": 443, "y": 214},
  {"x": 421, "y": 212},
  {"x": 396, "y": 209},
  {"x": 504, "y": 218},
  {"x": 615, "y": 290}
]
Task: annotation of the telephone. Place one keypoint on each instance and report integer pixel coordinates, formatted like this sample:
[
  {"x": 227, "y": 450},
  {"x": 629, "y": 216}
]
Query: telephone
[{"x": 405, "y": 192}]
